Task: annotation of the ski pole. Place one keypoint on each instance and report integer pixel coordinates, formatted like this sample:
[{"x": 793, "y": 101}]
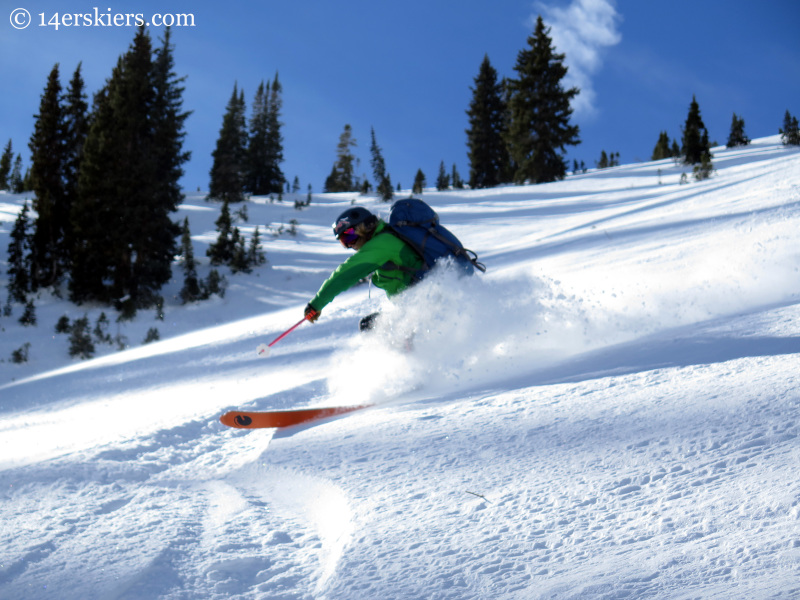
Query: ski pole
[{"x": 263, "y": 349}]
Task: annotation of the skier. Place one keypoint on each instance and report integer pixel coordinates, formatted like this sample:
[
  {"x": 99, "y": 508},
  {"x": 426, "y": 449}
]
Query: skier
[{"x": 390, "y": 261}]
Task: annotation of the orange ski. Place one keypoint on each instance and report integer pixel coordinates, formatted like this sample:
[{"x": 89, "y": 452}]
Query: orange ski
[{"x": 282, "y": 418}]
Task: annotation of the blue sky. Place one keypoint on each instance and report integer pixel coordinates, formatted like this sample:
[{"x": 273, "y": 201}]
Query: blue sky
[{"x": 406, "y": 69}]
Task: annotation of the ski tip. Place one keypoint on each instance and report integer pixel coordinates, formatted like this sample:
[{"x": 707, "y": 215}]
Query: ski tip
[
  {"x": 236, "y": 419},
  {"x": 283, "y": 418},
  {"x": 262, "y": 350}
]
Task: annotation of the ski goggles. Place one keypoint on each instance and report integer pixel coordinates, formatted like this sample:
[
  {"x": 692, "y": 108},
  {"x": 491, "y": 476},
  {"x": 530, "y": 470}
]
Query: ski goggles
[{"x": 348, "y": 237}]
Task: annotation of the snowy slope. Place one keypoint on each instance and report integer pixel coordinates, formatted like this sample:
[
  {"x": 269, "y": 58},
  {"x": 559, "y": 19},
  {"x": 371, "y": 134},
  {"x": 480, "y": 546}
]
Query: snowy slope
[{"x": 611, "y": 412}]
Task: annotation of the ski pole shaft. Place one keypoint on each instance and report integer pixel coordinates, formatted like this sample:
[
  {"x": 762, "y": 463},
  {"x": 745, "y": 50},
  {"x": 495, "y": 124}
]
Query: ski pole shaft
[{"x": 285, "y": 333}]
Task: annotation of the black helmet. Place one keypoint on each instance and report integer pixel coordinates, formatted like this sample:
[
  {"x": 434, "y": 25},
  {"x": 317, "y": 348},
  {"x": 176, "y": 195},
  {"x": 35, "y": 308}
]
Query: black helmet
[{"x": 352, "y": 217}]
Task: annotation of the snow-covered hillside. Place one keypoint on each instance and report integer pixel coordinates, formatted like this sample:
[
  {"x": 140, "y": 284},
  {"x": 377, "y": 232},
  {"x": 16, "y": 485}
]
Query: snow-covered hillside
[{"x": 611, "y": 412}]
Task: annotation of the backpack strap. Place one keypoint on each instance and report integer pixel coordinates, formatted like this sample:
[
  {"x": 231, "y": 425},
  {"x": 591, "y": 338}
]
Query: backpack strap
[
  {"x": 426, "y": 225},
  {"x": 430, "y": 227},
  {"x": 458, "y": 250},
  {"x": 416, "y": 274}
]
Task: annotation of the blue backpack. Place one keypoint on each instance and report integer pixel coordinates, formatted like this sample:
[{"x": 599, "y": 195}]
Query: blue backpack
[{"x": 417, "y": 224}]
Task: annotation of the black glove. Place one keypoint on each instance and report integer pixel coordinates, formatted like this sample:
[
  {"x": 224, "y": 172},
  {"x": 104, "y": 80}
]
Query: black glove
[{"x": 311, "y": 313}]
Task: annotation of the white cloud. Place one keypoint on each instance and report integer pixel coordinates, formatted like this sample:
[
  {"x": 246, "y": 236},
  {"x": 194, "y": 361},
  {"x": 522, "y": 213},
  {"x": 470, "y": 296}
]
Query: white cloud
[{"x": 581, "y": 31}]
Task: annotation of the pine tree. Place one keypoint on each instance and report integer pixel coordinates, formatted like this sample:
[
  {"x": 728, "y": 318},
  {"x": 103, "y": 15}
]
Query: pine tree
[
  {"x": 539, "y": 111},
  {"x": 5, "y": 166},
  {"x": 419, "y": 182},
  {"x": 19, "y": 269},
  {"x": 100, "y": 331},
  {"x": 662, "y": 149},
  {"x": 737, "y": 136},
  {"x": 114, "y": 181},
  {"x": 47, "y": 177},
  {"x": 238, "y": 260},
  {"x": 342, "y": 177},
  {"x": 704, "y": 168},
  {"x": 489, "y": 163},
  {"x": 603, "y": 162},
  {"x": 221, "y": 251},
  {"x": 790, "y": 132},
  {"x": 383, "y": 181},
  {"x": 274, "y": 142},
  {"x": 695, "y": 136},
  {"x": 76, "y": 128},
  {"x": 458, "y": 183},
  {"x": 256, "y": 181},
  {"x": 228, "y": 168},
  {"x": 20, "y": 355},
  {"x": 191, "y": 285},
  {"x": 129, "y": 182},
  {"x": 80, "y": 341},
  {"x": 169, "y": 133},
  {"x": 16, "y": 182},
  {"x": 63, "y": 325},
  {"x": 255, "y": 256},
  {"x": 443, "y": 179},
  {"x": 28, "y": 318},
  {"x": 331, "y": 181},
  {"x": 214, "y": 284}
]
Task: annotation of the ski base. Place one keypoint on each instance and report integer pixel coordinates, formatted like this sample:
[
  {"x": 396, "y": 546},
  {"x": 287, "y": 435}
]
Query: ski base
[{"x": 283, "y": 418}]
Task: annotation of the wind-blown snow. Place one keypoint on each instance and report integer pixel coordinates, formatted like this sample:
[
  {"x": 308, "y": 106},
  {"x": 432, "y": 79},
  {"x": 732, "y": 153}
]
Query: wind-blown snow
[{"x": 612, "y": 411}]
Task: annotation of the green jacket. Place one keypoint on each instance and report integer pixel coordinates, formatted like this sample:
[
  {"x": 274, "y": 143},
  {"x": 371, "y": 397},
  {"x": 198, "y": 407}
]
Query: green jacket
[{"x": 373, "y": 256}]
